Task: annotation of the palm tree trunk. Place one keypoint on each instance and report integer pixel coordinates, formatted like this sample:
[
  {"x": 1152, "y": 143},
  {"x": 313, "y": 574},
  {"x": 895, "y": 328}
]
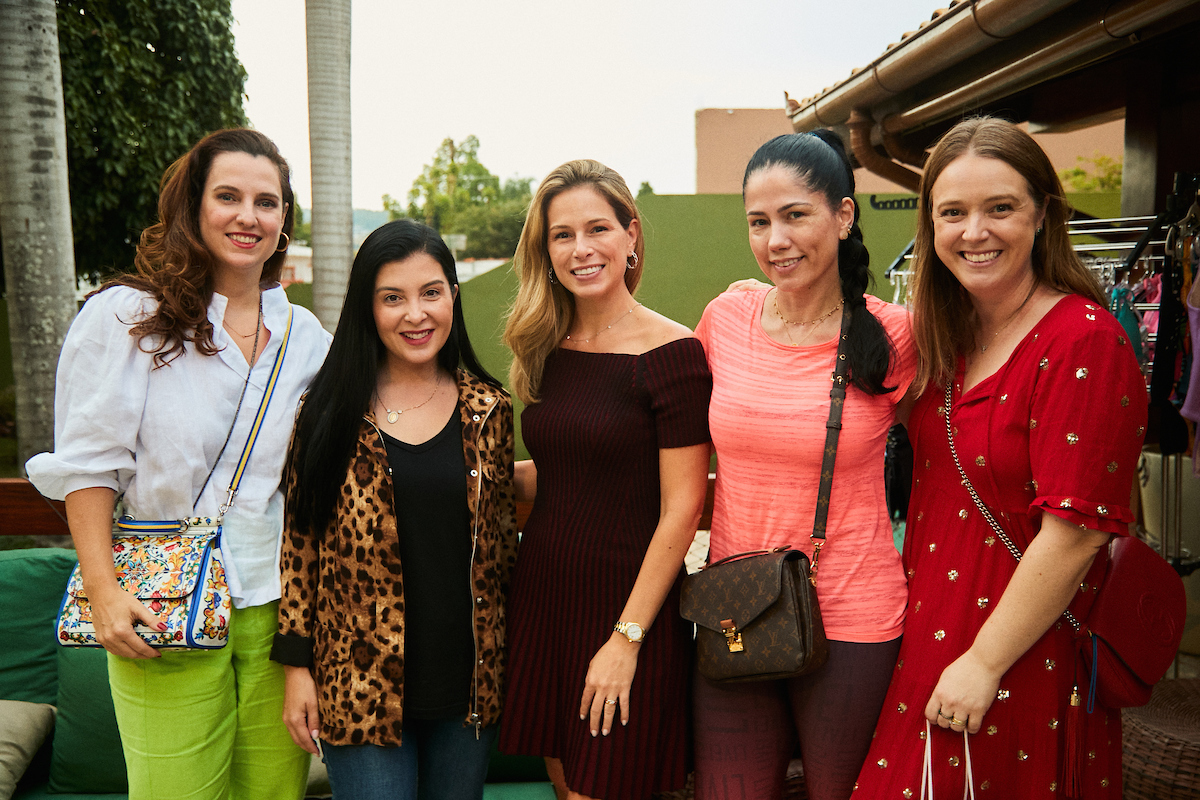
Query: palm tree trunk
[
  {"x": 35, "y": 212},
  {"x": 328, "y": 29}
]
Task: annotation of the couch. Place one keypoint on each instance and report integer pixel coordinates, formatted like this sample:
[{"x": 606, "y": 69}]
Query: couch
[{"x": 58, "y": 733}]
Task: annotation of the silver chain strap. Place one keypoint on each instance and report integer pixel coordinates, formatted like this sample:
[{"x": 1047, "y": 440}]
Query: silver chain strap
[{"x": 987, "y": 514}]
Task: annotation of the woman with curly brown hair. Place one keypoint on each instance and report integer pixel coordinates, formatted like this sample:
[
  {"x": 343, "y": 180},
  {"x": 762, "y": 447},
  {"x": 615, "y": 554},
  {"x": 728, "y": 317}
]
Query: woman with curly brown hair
[{"x": 152, "y": 376}]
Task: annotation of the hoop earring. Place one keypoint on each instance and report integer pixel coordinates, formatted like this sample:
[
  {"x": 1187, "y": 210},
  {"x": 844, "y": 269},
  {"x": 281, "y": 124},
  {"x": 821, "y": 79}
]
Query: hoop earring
[
  {"x": 287, "y": 240},
  {"x": 550, "y": 270},
  {"x": 635, "y": 261}
]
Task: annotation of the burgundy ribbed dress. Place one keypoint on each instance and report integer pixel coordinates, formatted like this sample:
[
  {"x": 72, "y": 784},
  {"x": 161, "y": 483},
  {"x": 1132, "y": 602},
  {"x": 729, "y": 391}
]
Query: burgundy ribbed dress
[{"x": 595, "y": 438}]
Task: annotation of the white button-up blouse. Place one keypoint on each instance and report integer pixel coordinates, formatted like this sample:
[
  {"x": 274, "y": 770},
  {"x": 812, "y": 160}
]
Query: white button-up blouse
[{"x": 153, "y": 434}]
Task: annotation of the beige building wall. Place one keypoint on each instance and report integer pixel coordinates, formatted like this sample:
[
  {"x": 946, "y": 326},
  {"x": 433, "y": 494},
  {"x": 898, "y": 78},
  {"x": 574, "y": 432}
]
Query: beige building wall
[
  {"x": 725, "y": 140},
  {"x": 727, "y": 137}
]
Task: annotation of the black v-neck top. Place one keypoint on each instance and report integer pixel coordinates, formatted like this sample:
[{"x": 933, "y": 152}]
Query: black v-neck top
[{"x": 434, "y": 530}]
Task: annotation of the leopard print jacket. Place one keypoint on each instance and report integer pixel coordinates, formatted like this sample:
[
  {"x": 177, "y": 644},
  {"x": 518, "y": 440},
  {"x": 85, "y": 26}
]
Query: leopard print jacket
[{"x": 343, "y": 598}]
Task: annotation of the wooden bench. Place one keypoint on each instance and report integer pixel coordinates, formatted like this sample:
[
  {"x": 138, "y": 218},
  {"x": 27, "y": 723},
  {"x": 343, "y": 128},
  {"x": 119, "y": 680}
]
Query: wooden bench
[{"x": 24, "y": 512}]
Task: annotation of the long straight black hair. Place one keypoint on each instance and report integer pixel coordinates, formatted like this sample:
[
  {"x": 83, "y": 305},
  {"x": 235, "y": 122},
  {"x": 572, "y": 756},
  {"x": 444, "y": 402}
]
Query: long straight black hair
[
  {"x": 328, "y": 425},
  {"x": 819, "y": 162}
]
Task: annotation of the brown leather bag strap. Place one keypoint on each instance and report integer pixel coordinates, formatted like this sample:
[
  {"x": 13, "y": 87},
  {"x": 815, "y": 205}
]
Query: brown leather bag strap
[{"x": 833, "y": 428}]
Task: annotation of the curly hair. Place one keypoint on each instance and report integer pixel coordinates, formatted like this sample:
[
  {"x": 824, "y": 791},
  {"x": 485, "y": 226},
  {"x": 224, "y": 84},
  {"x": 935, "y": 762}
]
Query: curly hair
[
  {"x": 543, "y": 311},
  {"x": 172, "y": 263},
  {"x": 943, "y": 314}
]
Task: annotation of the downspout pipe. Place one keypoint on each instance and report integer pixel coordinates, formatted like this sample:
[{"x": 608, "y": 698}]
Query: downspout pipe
[{"x": 860, "y": 144}]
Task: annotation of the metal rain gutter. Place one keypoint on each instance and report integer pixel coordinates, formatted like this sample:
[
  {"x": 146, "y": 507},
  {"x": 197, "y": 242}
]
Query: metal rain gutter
[
  {"x": 1118, "y": 21},
  {"x": 962, "y": 31}
]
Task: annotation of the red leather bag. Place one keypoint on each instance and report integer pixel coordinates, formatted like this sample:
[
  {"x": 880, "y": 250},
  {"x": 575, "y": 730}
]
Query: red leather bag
[{"x": 1135, "y": 625}]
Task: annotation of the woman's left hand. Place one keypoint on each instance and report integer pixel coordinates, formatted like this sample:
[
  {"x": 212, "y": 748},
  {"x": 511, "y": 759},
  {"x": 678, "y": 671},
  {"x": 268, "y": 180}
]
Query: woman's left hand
[
  {"x": 963, "y": 694},
  {"x": 609, "y": 676}
]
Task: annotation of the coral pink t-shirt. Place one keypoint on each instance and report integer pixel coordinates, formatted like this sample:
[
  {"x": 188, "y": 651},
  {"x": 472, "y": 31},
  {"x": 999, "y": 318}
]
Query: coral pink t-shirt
[{"x": 770, "y": 403}]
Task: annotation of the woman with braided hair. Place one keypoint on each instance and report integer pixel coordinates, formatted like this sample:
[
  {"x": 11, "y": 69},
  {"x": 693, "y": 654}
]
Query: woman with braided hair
[{"x": 771, "y": 351}]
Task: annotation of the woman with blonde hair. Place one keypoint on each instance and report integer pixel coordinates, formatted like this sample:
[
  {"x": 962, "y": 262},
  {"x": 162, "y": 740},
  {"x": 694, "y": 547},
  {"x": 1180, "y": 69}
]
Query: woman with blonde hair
[
  {"x": 1033, "y": 400},
  {"x": 616, "y": 421}
]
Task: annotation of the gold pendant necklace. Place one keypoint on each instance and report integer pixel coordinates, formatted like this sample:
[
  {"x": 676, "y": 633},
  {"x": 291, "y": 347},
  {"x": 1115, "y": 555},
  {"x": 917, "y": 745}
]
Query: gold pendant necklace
[
  {"x": 393, "y": 416},
  {"x": 597, "y": 333},
  {"x": 257, "y": 327},
  {"x": 787, "y": 323}
]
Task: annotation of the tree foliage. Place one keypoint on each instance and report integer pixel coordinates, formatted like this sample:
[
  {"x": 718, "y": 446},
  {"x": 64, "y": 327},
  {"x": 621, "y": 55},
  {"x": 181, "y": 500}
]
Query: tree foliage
[
  {"x": 458, "y": 194},
  {"x": 1100, "y": 173},
  {"x": 143, "y": 80}
]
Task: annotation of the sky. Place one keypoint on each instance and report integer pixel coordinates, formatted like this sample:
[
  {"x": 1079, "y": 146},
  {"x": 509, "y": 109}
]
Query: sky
[{"x": 541, "y": 82}]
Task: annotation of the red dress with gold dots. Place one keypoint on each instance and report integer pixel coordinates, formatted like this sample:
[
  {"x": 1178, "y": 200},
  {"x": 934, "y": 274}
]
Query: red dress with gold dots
[{"x": 1056, "y": 430}]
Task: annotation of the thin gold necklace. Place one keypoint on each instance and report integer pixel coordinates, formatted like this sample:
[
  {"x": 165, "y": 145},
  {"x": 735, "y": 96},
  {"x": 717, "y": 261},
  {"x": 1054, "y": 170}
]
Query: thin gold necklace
[
  {"x": 1011, "y": 318},
  {"x": 392, "y": 416},
  {"x": 597, "y": 333},
  {"x": 231, "y": 329},
  {"x": 787, "y": 323}
]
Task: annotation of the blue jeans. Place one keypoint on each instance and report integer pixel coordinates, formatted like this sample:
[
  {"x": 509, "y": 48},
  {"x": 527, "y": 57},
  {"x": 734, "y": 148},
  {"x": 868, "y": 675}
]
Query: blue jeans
[{"x": 438, "y": 760}]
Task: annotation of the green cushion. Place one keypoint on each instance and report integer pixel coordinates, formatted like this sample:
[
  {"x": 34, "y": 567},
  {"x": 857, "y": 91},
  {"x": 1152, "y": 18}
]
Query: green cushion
[
  {"x": 87, "y": 747},
  {"x": 43, "y": 793},
  {"x": 32, "y": 583},
  {"x": 503, "y": 768}
]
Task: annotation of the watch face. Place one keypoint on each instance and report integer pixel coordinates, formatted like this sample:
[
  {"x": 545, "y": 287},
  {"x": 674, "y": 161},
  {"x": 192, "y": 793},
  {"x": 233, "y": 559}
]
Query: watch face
[{"x": 634, "y": 632}]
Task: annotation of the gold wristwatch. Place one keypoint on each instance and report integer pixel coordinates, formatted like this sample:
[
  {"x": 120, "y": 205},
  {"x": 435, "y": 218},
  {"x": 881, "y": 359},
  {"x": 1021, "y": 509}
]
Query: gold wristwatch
[{"x": 631, "y": 630}]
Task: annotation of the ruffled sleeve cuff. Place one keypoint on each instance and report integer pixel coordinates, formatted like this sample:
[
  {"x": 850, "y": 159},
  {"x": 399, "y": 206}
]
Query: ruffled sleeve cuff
[
  {"x": 1103, "y": 517},
  {"x": 292, "y": 650}
]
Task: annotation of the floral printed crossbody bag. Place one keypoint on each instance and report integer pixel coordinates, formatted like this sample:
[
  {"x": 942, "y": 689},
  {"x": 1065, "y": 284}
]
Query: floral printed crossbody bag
[{"x": 174, "y": 567}]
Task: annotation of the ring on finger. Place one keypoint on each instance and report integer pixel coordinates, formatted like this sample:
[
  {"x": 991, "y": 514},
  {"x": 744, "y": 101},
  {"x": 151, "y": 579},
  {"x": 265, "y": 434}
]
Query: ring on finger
[
  {"x": 610, "y": 702},
  {"x": 945, "y": 716},
  {"x": 956, "y": 721}
]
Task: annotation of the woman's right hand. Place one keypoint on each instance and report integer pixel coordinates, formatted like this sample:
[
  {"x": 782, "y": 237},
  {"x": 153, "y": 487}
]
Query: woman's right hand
[
  {"x": 114, "y": 613},
  {"x": 747, "y": 285},
  {"x": 300, "y": 707}
]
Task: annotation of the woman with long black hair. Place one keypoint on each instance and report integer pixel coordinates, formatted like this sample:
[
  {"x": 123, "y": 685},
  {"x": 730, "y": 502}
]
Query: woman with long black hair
[
  {"x": 771, "y": 351},
  {"x": 400, "y": 533}
]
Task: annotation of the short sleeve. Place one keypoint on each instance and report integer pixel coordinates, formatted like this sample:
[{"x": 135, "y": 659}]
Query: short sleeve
[
  {"x": 100, "y": 394},
  {"x": 1087, "y": 422},
  {"x": 677, "y": 379}
]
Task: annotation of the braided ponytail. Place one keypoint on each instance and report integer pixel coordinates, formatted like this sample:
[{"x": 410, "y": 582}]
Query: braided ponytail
[{"x": 819, "y": 161}]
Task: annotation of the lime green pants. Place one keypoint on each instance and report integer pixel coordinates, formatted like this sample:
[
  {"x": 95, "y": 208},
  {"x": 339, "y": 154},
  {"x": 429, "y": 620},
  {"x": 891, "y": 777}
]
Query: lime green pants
[{"x": 207, "y": 724}]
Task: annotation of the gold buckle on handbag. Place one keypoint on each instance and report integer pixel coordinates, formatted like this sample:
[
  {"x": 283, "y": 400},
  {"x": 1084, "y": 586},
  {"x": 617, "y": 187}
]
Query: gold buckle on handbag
[
  {"x": 733, "y": 637},
  {"x": 812, "y": 567}
]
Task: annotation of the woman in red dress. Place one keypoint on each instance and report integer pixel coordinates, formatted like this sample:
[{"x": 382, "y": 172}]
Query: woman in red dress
[{"x": 1048, "y": 410}]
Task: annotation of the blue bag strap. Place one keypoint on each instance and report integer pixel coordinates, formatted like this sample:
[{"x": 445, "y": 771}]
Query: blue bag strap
[{"x": 259, "y": 417}]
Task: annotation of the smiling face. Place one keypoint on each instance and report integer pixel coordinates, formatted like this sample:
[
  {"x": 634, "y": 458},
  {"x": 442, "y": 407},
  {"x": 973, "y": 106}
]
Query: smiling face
[
  {"x": 413, "y": 309},
  {"x": 588, "y": 247},
  {"x": 241, "y": 211},
  {"x": 794, "y": 234},
  {"x": 984, "y": 225}
]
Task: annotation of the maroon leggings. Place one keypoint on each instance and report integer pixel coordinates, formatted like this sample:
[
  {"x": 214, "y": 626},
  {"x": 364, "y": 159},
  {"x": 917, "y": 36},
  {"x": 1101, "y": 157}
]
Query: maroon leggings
[{"x": 747, "y": 732}]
